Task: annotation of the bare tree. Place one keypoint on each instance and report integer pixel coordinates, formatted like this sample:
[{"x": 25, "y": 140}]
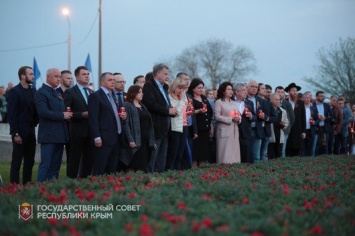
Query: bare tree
[
  {"x": 336, "y": 72},
  {"x": 217, "y": 60},
  {"x": 187, "y": 62}
]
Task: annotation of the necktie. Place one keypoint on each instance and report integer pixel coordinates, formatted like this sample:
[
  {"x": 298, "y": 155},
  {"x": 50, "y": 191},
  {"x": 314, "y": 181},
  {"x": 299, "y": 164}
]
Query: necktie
[
  {"x": 120, "y": 100},
  {"x": 114, "y": 107},
  {"x": 86, "y": 92},
  {"x": 166, "y": 97}
]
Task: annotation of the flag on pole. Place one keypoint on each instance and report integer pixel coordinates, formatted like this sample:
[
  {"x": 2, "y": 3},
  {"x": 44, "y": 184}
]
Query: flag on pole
[
  {"x": 88, "y": 63},
  {"x": 36, "y": 72}
]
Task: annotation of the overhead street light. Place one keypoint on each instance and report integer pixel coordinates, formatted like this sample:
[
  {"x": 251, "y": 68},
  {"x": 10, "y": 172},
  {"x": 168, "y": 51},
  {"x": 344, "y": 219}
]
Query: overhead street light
[{"x": 66, "y": 13}]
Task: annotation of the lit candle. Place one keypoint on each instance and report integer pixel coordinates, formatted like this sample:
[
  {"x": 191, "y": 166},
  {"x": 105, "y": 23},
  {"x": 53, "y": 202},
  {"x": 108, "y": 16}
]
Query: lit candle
[
  {"x": 122, "y": 110},
  {"x": 261, "y": 113}
]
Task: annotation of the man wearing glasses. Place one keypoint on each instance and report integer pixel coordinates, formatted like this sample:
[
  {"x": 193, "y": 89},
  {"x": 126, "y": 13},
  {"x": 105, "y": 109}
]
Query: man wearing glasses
[{"x": 119, "y": 89}]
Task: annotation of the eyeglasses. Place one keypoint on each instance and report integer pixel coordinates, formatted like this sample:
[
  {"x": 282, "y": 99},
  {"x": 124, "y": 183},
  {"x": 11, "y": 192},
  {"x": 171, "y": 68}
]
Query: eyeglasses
[{"x": 121, "y": 82}]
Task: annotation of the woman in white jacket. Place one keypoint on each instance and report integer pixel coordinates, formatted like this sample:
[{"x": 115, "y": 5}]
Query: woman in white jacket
[{"x": 178, "y": 134}]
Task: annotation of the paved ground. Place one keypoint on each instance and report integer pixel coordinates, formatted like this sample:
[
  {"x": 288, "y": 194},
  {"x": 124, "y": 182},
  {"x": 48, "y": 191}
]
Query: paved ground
[{"x": 6, "y": 151}]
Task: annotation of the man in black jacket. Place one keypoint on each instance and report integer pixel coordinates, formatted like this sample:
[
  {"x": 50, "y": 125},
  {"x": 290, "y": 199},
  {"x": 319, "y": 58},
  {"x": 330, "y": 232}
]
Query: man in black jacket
[
  {"x": 23, "y": 118},
  {"x": 157, "y": 101},
  {"x": 298, "y": 130}
]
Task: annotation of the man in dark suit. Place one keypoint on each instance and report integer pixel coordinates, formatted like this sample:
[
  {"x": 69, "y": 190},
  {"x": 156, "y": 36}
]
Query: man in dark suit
[
  {"x": 325, "y": 117},
  {"x": 246, "y": 109},
  {"x": 298, "y": 130},
  {"x": 80, "y": 162},
  {"x": 157, "y": 101},
  {"x": 271, "y": 112},
  {"x": 105, "y": 126},
  {"x": 53, "y": 130},
  {"x": 257, "y": 127},
  {"x": 311, "y": 124},
  {"x": 119, "y": 97},
  {"x": 119, "y": 89},
  {"x": 23, "y": 118},
  {"x": 66, "y": 81}
]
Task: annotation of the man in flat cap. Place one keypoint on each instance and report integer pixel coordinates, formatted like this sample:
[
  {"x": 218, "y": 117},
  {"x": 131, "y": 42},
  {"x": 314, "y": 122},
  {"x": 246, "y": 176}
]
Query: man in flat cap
[{"x": 298, "y": 130}]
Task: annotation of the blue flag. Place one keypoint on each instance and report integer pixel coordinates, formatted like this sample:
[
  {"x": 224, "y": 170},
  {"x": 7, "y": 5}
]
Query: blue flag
[
  {"x": 88, "y": 63},
  {"x": 36, "y": 72}
]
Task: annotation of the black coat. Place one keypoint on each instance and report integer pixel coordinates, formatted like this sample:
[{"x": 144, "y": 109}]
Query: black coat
[
  {"x": 294, "y": 140},
  {"x": 156, "y": 104},
  {"x": 78, "y": 125}
]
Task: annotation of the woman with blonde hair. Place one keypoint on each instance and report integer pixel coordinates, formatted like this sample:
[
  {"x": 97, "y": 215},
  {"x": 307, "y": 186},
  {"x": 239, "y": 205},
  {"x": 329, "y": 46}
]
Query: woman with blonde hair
[{"x": 178, "y": 135}]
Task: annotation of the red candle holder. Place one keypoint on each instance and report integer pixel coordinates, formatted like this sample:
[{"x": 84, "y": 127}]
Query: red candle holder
[
  {"x": 122, "y": 110},
  {"x": 204, "y": 106},
  {"x": 246, "y": 110},
  {"x": 68, "y": 109},
  {"x": 310, "y": 120},
  {"x": 261, "y": 113}
]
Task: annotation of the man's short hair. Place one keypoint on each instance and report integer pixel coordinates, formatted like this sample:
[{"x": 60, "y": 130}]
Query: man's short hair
[
  {"x": 135, "y": 80},
  {"x": 77, "y": 70},
  {"x": 159, "y": 67},
  {"x": 280, "y": 88},
  {"x": 319, "y": 92},
  {"x": 22, "y": 71}
]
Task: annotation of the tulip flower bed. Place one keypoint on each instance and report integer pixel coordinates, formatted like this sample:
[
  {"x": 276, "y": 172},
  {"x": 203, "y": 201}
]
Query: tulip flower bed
[{"x": 289, "y": 196}]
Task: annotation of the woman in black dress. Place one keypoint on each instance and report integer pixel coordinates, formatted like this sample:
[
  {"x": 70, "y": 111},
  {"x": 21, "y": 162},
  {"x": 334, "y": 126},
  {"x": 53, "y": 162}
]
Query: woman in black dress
[
  {"x": 203, "y": 114},
  {"x": 138, "y": 130}
]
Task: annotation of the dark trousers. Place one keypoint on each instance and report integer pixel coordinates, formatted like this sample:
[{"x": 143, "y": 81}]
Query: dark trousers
[
  {"x": 80, "y": 162},
  {"x": 67, "y": 153},
  {"x": 292, "y": 152},
  {"x": 27, "y": 151},
  {"x": 274, "y": 150},
  {"x": 105, "y": 159},
  {"x": 323, "y": 142},
  {"x": 245, "y": 150},
  {"x": 186, "y": 161},
  {"x": 331, "y": 142},
  {"x": 337, "y": 144},
  {"x": 157, "y": 161},
  {"x": 176, "y": 147},
  {"x": 51, "y": 160},
  {"x": 307, "y": 144},
  {"x": 344, "y": 145}
]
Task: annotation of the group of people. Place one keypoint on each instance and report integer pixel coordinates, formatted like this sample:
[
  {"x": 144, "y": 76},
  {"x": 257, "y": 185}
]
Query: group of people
[{"x": 160, "y": 125}]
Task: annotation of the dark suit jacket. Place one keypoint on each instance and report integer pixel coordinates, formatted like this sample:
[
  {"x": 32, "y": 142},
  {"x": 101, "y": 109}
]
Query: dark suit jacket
[
  {"x": 260, "y": 106},
  {"x": 314, "y": 115},
  {"x": 245, "y": 125},
  {"x": 19, "y": 110},
  {"x": 294, "y": 140},
  {"x": 78, "y": 125},
  {"x": 270, "y": 116},
  {"x": 102, "y": 120},
  {"x": 155, "y": 102},
  {"x": 328, "y": 114},
  {"x": 53, "y": 128}
]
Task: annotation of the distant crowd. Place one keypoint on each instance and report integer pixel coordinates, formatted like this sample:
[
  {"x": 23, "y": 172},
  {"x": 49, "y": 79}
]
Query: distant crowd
[{"x": 160, "y": 124}]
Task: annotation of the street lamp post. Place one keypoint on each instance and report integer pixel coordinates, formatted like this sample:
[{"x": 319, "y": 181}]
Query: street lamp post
[
  {"x": 100, "y": 39},
  {"x": 66, "y": 12}
]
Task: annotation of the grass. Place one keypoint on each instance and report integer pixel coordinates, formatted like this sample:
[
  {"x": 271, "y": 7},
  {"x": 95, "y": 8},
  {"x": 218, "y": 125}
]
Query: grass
[
  {"x": 5, "y": 172},
  {"x": 287, "y": 196}
]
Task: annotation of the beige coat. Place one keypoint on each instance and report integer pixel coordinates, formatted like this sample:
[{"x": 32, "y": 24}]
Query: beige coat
[{"x": 227, "y": 135}]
